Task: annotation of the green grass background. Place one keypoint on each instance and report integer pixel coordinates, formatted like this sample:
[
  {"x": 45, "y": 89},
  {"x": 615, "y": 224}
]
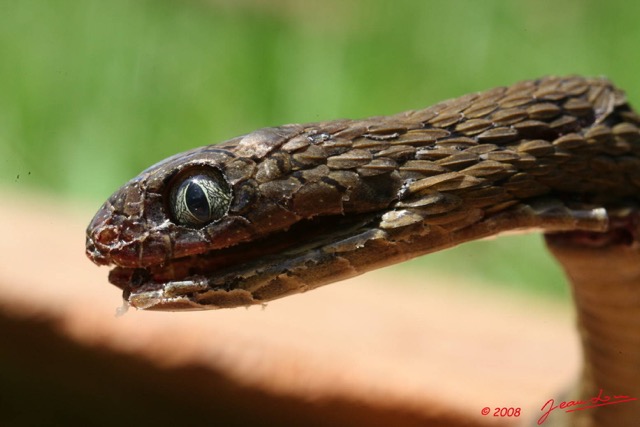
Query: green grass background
[{"x": 93, "y": 91}]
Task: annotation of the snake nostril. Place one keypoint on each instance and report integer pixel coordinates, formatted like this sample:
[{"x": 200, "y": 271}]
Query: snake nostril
[{"x": 106, "y": 235}]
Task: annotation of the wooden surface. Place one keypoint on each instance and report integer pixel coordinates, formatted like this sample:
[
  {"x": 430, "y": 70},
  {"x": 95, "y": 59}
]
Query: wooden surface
[{"x": 385, "y": 348}]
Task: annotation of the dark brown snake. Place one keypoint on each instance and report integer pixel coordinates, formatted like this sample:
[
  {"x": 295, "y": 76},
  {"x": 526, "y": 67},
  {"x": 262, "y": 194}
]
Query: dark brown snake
[{"x": 287, "y": 209}]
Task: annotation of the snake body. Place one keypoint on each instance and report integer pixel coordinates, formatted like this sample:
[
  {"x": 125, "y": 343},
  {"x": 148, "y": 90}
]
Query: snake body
[
  {"x": 283, "y": 210},
  {"x": 316, "y": 203}
]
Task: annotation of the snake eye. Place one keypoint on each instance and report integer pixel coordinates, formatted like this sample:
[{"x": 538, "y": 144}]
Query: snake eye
[{"x": 200, "y": 198}]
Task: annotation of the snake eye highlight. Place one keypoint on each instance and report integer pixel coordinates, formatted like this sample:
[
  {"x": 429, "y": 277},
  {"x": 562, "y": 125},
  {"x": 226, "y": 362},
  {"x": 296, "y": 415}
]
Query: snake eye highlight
[{"x": 200, "y": 198}]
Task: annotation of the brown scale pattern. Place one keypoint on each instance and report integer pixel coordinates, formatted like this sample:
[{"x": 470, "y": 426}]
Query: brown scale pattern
[
  {"x": 552, "y": 134},
  {"x": 440, "y": 169},
  {"x": 316, "y": 203}
]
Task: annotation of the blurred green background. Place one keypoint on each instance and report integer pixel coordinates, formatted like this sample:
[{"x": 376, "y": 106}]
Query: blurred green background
[{"x": 92, "y": 92}]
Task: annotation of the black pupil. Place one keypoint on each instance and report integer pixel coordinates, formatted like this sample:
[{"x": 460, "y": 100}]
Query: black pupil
[{"x": 197, "y": 202}]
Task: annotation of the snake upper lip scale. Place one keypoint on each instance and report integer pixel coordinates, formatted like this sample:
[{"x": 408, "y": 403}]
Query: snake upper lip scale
[{"x": 286, "y": 209}]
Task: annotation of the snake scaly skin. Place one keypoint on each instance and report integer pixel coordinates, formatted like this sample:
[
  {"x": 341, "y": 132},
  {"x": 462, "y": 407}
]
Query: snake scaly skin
[
  {"x": 311, "y": 204},
  {"x": 287, "y": 209}
]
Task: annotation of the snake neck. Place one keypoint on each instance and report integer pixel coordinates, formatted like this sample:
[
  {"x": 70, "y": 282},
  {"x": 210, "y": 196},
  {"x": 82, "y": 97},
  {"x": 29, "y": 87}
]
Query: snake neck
[{"x": 604, "y": 282}]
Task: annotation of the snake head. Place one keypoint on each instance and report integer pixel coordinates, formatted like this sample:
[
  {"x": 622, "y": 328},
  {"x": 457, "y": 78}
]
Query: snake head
[{"x": 203, "y": 216}]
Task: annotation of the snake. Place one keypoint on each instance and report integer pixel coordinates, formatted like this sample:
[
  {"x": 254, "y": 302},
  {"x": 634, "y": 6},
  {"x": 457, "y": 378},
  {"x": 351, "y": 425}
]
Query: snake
[{"x": 286, "y": 209}]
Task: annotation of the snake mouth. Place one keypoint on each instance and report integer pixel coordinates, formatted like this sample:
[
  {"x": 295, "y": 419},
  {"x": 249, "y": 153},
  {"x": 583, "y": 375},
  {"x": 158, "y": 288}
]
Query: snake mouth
[
  {"x": 326, "y": 249},
  {"x": 305, "y": 256}
]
